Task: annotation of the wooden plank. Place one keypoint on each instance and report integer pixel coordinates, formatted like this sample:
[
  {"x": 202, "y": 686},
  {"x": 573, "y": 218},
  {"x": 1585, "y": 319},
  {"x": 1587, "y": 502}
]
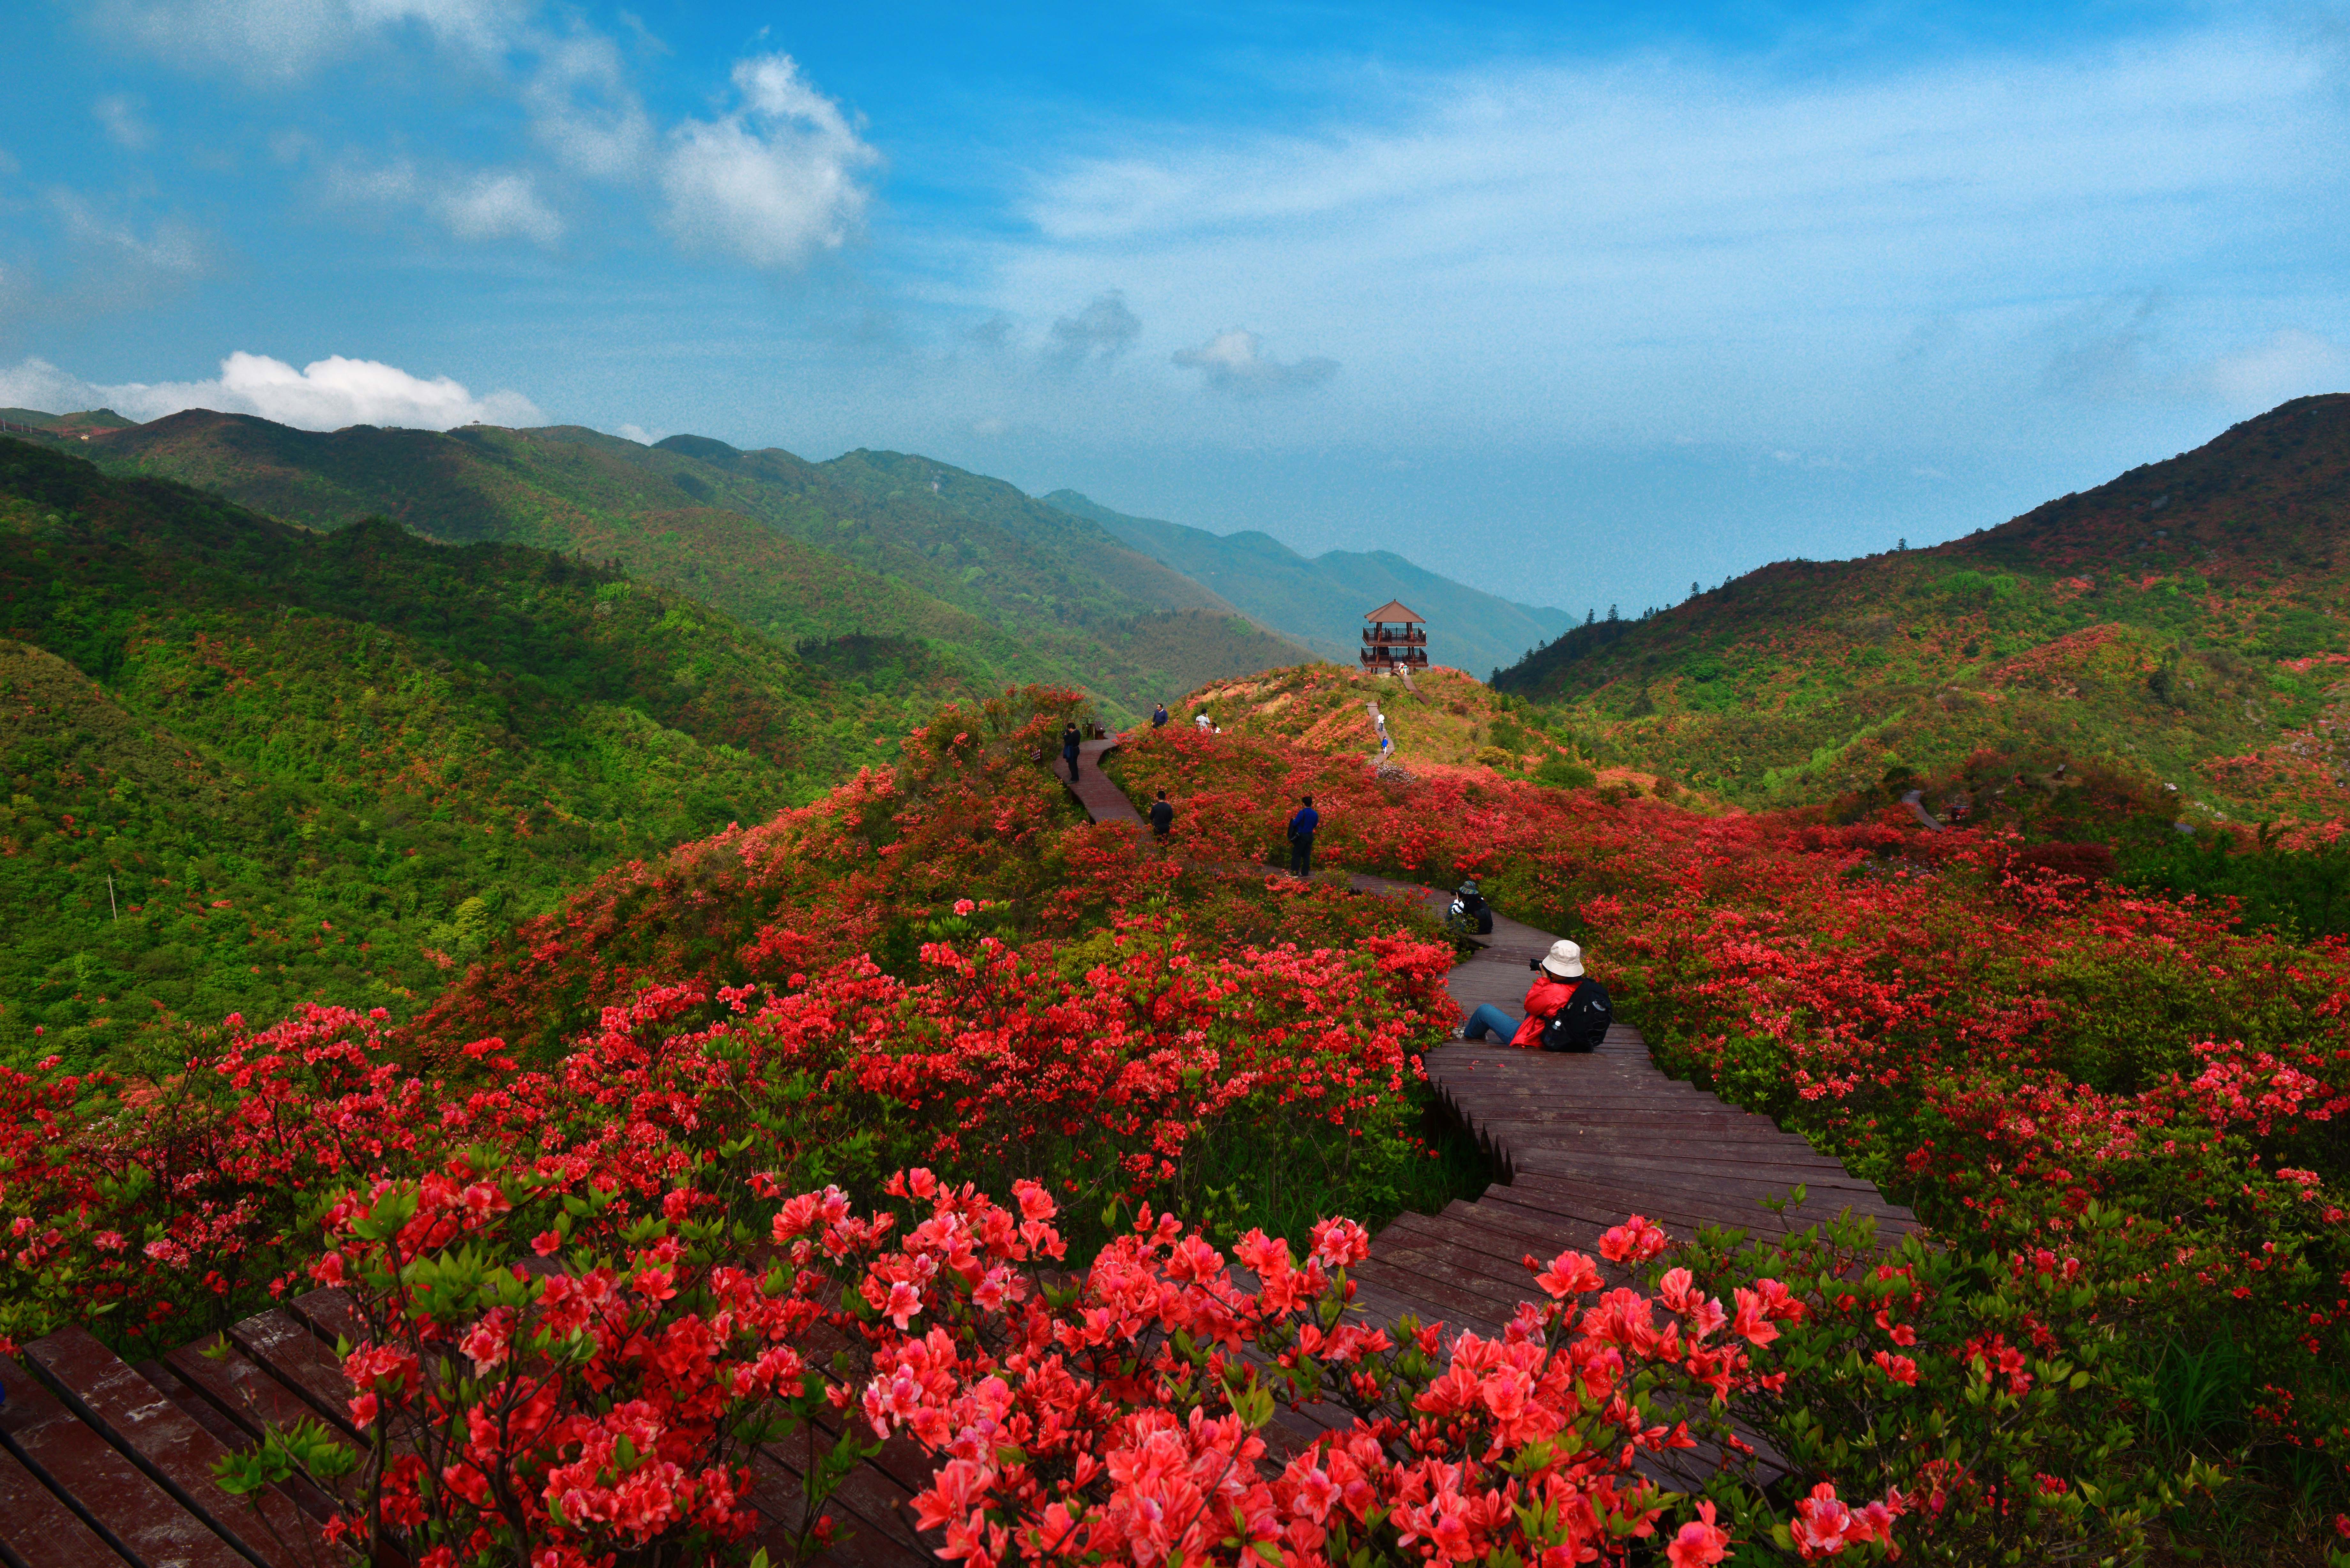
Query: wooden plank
[
  {"x": 1642, "y": 1155},
  {"x": 328, "y": 1314},
  {"x": 1426, "y": 1280},
  {"x": 776, "y": 1491},
  {"x": 1820, "y": 1203},
  {"x": 137, "y": 1518},
  {"x": 1759, "y": 1142},
  {"x": 1730, "y": 1200},
  {"x": 39, "y": 1531},
  {"x": 1501, "y": 1283},
  {"x": 294, "y": 1357},
  {"x": 239, "y": 1387},
  {"x": 1605, "y": 1210},
  {"x": 138, "y": 1418},
  {"x": 1743, "y": 1187},
  {"x": 194, "y": 1406}
]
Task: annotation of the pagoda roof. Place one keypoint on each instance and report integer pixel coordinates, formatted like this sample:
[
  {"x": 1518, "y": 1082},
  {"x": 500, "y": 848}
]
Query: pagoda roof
[{"x": 1394, "y": 610}]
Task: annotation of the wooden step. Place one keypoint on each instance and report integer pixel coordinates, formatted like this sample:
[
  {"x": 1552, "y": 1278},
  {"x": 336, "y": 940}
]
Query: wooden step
[
  {"x": 124, "y": 1506},
  {"x": 39, "y": 1531},
  {"x": 137, "y": 1417}
]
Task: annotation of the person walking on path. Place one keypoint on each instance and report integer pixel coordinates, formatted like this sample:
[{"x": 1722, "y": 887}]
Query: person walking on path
[
  {"x": 1301, "y": 837},
  {"x": 1566, "y": 1009},
  {"x": 1071, "y": 737},
  {"x": 1158, "y": 717},
  {"x": 1162, "y": 818}
]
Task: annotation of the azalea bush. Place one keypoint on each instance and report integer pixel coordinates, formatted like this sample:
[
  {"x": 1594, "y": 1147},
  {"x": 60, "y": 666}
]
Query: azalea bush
[
  {"x": 1258, "y": 1082},
  {"x": 642, "y": 1390}
]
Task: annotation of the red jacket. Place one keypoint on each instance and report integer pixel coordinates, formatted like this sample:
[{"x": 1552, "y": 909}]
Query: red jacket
[{"x": 1543, "y": 999}]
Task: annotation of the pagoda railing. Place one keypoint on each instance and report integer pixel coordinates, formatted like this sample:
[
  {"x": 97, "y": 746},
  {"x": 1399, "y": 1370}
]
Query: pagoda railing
[
  {"x": 1389, "y": 656},
  {"x": 1396, "y": 637}
]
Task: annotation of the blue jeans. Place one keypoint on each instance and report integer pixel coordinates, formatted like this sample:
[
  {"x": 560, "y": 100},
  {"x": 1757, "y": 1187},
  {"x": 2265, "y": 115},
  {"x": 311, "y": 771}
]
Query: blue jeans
[{"x": 1490, "y": 1020}]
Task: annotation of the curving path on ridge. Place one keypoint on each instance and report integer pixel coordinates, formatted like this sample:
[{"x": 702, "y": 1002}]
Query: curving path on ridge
[{"x": 1580, "y": 1142}]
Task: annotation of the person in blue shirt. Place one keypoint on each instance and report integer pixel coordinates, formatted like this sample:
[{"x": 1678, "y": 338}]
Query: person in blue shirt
[
  {"x": 1301, "y": 838},
  {"x": 1158, "y": 717}
]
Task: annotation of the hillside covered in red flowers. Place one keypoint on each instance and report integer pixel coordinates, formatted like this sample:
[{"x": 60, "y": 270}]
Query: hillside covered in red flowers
[{"x": 932, "y": 1114}]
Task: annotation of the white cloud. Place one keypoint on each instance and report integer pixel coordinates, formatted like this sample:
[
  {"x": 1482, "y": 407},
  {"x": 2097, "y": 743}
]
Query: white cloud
[
  {"x": 170, "y": 247},
  {"x": 772, "y": 181},
  {"x": 284, "y": 40},
  {"x": 1626, "y": 249},
  {"x": 359, "y": 184},
  {"x": 2292, "y": 364},
  {"x": 481, "y": 205},
  {"x": 1235, "y": 361},
  {"x": 327, "y": 394},
  {"x": 583, "y": 109},
  {"x": 636, "y": 433},
  {"x": 494, "y": 205},
  {"x": 1102, "y": 330},
  {"x": 122, "y": 121}
]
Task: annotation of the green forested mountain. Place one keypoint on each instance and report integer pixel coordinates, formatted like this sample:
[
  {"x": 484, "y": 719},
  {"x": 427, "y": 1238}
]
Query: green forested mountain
[
  {"x": 345, "y": 759},
  {"x": 1321, "y": 601},
  {"x": 870, "y": 542},
  {"x": 2189, "y": 620}
]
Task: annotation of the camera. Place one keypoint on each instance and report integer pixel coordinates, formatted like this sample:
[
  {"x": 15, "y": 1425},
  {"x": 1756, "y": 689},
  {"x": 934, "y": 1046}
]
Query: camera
[{"x": 1535, "y": 963}]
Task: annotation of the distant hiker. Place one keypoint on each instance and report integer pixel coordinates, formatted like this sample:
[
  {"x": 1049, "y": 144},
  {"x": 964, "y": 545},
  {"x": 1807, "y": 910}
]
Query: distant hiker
[
  {"x": 1470, "y": 914},
  {"x": 1566, "y": 1009},
  {"x": 1301, "y": 837},
  {"x": 1207, "y": 725},
  {"x": 1070, "y": 739},
  {"x": 1158, "y": 717},
  {"x": 1163, "y": 816}
]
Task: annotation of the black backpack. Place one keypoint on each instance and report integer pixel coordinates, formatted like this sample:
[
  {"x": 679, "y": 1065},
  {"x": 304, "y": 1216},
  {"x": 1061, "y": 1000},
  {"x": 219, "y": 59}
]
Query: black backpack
[{"x": 1583, "y": 1022}]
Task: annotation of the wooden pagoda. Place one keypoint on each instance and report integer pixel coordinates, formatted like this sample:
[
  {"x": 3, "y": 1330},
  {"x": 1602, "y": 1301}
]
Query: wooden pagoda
[{"x": 1394, "y": 640}]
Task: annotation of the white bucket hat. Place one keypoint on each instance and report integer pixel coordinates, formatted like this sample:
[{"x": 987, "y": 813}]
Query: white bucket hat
[{"x": 1566, "y": 961}]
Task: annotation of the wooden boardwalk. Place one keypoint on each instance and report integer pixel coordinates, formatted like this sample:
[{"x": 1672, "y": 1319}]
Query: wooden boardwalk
[
  {"x": 1580, "y": 1142},
  {"x": 105, "y": 1463},
  {"x": 1103, "y": 801}
]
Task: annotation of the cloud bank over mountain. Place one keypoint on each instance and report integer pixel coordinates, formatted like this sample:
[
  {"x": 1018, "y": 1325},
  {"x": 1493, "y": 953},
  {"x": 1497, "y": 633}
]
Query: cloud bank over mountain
[{"x": 325, "y": 395}]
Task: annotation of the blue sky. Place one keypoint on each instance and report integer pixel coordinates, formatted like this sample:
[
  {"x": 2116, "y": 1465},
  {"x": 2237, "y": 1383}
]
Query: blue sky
[{"x": 1575, "y": 305}]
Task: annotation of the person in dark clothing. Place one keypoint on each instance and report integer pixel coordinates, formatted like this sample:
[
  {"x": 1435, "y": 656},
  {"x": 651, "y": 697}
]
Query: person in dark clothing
[
  {"x": 1301, "y": 837},
  {"x": 1070, "y": 739},
  {"x": 1163, "y": 816},
  {"x": 1158, "y": 717}
]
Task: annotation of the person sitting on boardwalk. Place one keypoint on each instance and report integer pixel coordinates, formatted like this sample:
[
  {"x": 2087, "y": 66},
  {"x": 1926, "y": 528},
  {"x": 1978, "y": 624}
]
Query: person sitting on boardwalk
[
  {"x": 1162, "y": 818},
  {"x": 1566, "y": 1009},
  {"x": 1301, "y": 837},
  {"x": 1071, "y": 737},
  {"x": 1158, "y": 717}
]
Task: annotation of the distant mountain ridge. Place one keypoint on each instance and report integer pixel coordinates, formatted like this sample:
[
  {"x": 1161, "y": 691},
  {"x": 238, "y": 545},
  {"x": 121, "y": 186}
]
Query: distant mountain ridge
[
  {"x": 1315, "y": 600},
  {"x": 882, "y": 543}
]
